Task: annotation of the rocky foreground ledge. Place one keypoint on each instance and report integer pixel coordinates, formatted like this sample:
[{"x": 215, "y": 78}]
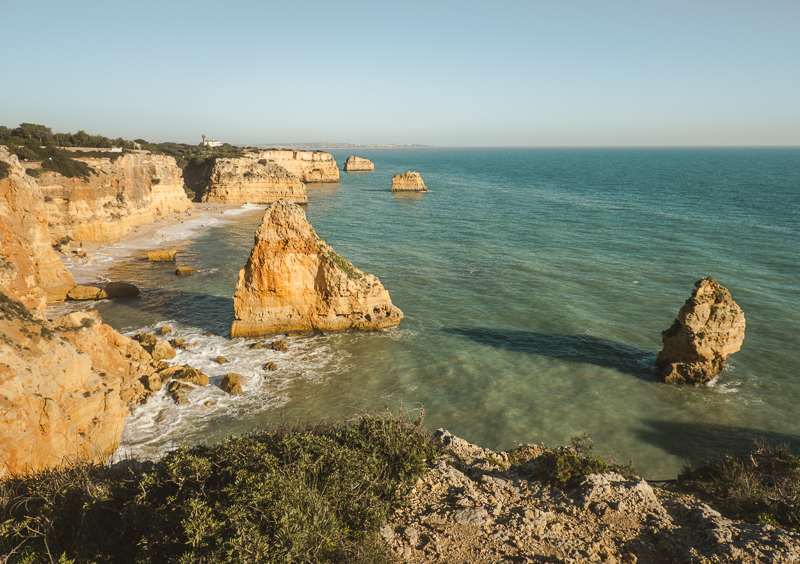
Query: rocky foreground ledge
[{"x": 474, "y": 506}]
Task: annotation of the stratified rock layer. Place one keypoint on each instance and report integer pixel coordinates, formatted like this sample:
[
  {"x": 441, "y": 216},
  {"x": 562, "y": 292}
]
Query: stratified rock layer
[
  {"x": 357, "y": 164},
  {"x": 131, "y": 190},
  {"x": 294, "y": 282},
  {"x": 308, "y": 166},
  {"x": 249, "y": 180},
  {"x": 710, "y": 326},
  {"x": 408, "y": 182}
]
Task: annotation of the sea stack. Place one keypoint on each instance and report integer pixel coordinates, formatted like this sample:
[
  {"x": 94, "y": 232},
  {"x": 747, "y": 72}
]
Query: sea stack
[
  {"x": 710, "y": 326},
  {"x": 357, "y": 164},
  {"x": 294, "y": 282},
  {"x": 408, "y": 182}
]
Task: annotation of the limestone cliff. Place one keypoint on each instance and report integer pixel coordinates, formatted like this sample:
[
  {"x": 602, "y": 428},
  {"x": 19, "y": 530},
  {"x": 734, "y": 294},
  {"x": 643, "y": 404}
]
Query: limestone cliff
[
  {"x": 294, "y": 282},
  {"x": 308, "y": 166},
  {"x": 710, "y": 326},
  {"x": 29, "y": 268},
  {"x": 246, "y": 180},
  {"x": 357, "y": 164},
  {"x": 123, "y": 192},
  {"x": 408, "y": 182}
]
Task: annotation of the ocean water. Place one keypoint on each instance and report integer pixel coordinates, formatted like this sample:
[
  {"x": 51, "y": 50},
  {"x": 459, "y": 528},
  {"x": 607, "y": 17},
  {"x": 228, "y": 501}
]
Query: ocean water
[{"x": 535, "y": 285}]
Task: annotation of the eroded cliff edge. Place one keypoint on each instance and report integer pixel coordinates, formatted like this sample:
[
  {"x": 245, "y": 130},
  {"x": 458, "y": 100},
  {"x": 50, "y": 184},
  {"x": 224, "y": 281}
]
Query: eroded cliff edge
[
  {"x": 243, "y": 180},
  {"x": 294, "y": 282},
  {"x": 308, "y": 166}
]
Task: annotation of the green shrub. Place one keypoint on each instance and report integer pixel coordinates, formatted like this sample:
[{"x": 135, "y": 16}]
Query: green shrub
[
  {"x": 762, "y": 487},
  {"x": 5, "y": 170},
  {"x": 312, "y": 494},
  {"x": 565, "y": 466}
]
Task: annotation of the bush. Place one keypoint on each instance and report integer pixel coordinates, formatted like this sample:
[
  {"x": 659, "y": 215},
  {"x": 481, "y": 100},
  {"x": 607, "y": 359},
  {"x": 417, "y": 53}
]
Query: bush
[
  {"x": 312, "y": 494},
  {"x": 5, "y": 170},
  {"x": 563, "y": 467},
  {"x": 763, "y": 487}
]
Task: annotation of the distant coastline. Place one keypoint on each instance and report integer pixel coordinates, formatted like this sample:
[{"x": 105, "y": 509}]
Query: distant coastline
[{"x": 326, "y": 145}]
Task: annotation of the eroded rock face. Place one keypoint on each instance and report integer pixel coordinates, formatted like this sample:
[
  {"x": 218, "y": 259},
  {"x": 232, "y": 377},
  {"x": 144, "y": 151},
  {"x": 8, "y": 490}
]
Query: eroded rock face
[
  {"x": 308, "y": 166},
  {"x": 710, "y": 326},
  {"x": 408, "y": 182},
  {"x": 357, "y": 164},
  {"x": 131, "y": 190},
  {"x": 294, "y": 282},
  {"x": 30, "y": 270},
  {"x": 248, "y": 180}
]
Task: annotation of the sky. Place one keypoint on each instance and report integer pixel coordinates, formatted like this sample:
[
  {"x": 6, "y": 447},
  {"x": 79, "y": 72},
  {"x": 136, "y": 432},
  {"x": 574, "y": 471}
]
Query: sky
[{"x": 502, "y": 73}]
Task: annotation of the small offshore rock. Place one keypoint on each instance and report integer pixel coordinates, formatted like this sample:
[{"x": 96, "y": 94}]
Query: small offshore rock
[
  {"x": 162, "y": 350},
  {"x": 161, "y": 256},
  {"x": 232, "y": 383},
  {"x": 256, "y": 346},
  {"x": 185, "y": 271},
  {"x": 177, "y": 343},
  {"x": 408, "y": 182},
  {"x": 193, "y": 375},
  {"x": 280, "y": 346},
  {"x": 221, "y": 360},
  {"x": 164, "y": 330},
  {"x": 271, "y": 366},
  {"x": 358, "y": 164}
]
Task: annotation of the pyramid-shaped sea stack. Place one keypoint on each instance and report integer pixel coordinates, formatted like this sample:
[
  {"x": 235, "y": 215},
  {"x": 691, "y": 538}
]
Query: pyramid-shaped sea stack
[{"x": 294, "y": 282}]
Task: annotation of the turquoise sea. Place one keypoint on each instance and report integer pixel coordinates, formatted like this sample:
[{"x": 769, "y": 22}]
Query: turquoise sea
[{"x": 535, "y": 285}]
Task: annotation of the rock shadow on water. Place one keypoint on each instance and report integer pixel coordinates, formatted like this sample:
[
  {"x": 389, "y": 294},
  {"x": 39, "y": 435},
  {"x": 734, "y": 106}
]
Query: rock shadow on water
[
  {"x": 697, "y": 441},
  {"x": 574, "y": 348}
]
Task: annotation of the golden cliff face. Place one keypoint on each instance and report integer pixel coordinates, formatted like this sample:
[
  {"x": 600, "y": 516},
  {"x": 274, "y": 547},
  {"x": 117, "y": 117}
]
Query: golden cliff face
[
  {"x": 308, "y": 166},
  {"x": 29, "y": 268},
  {"x": 249, "y": 180},
  {"x": 710, "y": 326},
  {"x": 294, "y": 282},
  {"x": 132, "y": 190}
]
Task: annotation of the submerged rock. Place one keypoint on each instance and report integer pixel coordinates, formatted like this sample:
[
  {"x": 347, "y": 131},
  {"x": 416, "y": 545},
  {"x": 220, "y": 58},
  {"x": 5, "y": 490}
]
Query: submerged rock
[
  {"x": 120, "y": 290},
  {"x": 294, "y": 282},
  {"x": 357, "y": 164},
  {"x": 408, "y": 182},
  {"x": 185, "y": 271},
  {"x": 710, "y": 326},
  {"x": 232, "y": 384}
]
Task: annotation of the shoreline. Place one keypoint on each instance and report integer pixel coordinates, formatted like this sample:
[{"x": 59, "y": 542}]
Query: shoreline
[{"x": 159, "y": 234}]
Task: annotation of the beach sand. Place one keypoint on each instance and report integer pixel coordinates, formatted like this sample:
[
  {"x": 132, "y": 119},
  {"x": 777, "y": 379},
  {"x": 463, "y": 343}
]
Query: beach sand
[{"x": 161, "y": 234}]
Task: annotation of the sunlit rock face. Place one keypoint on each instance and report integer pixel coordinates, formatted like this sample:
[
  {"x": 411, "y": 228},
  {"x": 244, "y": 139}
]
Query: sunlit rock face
[
  {"x": 308, "y": 166},
  {"x": 710, "y": 326},
  {"x": 357, "y": 164},
  {"x": 294, "y": 282},
  {"x": 408, "y": 182},
  {"x": 249, "y": 180}
]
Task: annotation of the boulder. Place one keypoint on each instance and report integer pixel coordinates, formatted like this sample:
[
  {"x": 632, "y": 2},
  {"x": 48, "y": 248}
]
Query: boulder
[
  {"x": 232, "y": 383},
  {"x": 408, "y": 182},
  {"x": 192, "y": 375},
  {"x": 178, "y": 392},
  {"x": 280, "y": 346},
  {"x": 357, "y": 164},
  {"x": 86, "y": 293},
  {"x": 294, "y": 282},
  {"x": 221, "y": 360},
  {"x": 152, "y": 382},
  {"x": 185, "y": 271},
  {"x": 146, "y": 340},
  {"x": 164, "y": 330},
  {"x": 271, "y": 366},
  {"x": 161, "y": 256},
  {"x": 256, "y": 346},
  {"x": 162, "y": 351},
  {"x": 120, "y": 290},
  {"x": 710, "y": 326}
]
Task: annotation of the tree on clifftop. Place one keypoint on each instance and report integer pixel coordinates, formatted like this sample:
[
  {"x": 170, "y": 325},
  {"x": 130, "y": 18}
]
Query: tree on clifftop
[{"x": 33, "y": 131}]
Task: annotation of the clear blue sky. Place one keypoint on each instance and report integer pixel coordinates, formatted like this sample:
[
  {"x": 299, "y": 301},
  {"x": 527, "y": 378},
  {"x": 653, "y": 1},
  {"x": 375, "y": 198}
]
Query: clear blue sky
[{"x": 530, "y": 73}]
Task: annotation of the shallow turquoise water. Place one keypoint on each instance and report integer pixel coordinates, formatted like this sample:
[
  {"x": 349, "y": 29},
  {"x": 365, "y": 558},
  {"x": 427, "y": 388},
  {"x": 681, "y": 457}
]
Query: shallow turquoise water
[{"x": 535, "y": 285}]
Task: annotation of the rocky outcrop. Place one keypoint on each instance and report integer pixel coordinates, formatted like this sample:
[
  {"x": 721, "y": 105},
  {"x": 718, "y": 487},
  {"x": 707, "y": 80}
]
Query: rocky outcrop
[
  {"x": 710, "y": 326},
  {"x": 308, "y": 166},
  {"x": 357, "y": 164},
  {"x": 65, "y": 387},
  {"x": 161, "y": 256},
  {"x": 477, "y": 506},
  {"x": 130, "y": 190},
  {"x": 408, "y": 182},
  {"x": 30, "y": 270},
  {"x": 246, "y": 180},
  {"x": 294, "y": 282}
]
